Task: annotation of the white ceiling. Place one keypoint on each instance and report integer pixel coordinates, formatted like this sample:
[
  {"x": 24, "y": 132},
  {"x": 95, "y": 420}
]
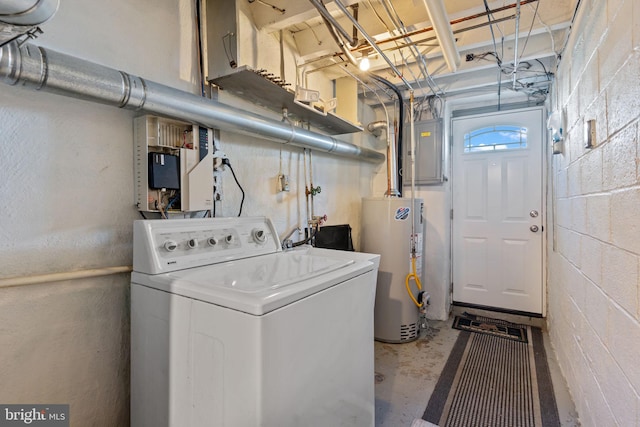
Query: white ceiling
[{"x": 543, "y": 27}]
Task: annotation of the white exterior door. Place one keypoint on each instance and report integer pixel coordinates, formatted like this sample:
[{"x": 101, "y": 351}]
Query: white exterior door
[{"x": 497, "y": 210}]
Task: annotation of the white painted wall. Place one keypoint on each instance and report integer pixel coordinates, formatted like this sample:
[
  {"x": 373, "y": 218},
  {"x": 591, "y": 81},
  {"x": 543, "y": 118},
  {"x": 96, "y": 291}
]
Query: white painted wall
[
  {"x": 594, "y": 308},
  {"x": 66, "y": 179}
]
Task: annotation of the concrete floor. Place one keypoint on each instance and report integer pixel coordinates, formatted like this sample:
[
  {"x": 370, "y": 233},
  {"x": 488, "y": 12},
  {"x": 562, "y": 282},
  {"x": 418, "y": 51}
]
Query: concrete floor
[{"x": 406, "y": 374}]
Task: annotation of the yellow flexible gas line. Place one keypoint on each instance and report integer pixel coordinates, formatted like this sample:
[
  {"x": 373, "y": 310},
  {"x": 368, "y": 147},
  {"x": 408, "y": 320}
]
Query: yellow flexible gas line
[
  {"x": 412, "y": 274},
  {"x": 415, "y": 277}
]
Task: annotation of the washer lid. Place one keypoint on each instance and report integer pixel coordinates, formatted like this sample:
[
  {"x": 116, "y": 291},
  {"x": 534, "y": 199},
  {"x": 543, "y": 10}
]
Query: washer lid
[{"x": 260, "y": 284}]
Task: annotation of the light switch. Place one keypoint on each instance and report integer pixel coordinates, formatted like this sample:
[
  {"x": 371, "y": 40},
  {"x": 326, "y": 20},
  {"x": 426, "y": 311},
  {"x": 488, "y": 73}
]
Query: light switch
[{"x": 589, "y": 133}]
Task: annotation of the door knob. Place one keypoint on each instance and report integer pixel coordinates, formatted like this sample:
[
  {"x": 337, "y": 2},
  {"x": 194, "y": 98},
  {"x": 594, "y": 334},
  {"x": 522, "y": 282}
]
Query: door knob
[{"x": 533, "y": 228}]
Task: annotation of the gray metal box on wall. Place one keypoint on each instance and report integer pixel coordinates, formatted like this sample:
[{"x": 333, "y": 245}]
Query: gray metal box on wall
[
  {"x": 223, "y": 38},
  {"x": 428, "y": 156}
]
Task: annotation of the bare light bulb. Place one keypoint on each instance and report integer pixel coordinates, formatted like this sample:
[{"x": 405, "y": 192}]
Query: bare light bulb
[{"x": 364, "y": 64}]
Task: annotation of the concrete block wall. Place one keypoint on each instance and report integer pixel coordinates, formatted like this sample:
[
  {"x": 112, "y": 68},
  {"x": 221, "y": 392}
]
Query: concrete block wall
[{"x": 594, "y": 250}]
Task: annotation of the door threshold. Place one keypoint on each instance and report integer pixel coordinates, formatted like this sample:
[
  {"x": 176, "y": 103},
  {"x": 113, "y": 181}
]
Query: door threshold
[{"x": 513, "y": 316}]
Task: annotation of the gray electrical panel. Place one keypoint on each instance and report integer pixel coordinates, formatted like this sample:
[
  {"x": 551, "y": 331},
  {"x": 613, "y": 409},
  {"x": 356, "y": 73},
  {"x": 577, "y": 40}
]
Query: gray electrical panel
[{"x": 428, "y": 155}]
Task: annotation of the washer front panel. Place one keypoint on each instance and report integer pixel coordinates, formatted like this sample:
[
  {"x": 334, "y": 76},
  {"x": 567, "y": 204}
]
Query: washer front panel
[{"x": 161, "y": 246}]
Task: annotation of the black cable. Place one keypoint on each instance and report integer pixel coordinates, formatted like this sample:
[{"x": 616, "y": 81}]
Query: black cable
[
  {"x": 535, "y": 13},
  {"x": 142, "y": 215},
  {"x": 312, "y": 234},
  {"x": 175, "y": 198},
  {"x": 400, "y": 120},
  {"x": 200, "y": 56},
  {"x": 230, "y": 58},
  {"x": 493, "y": 37},
  {"x": 226, "y": 162},
  {"x": 11, "y": 40},
  {"x": 544, "y": 68}
]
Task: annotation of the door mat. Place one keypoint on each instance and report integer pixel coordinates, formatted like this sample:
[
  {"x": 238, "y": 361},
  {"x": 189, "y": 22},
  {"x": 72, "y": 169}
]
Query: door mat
[
  {"x": 495, "y": 327},
  {"x": 491, "y": 381}
]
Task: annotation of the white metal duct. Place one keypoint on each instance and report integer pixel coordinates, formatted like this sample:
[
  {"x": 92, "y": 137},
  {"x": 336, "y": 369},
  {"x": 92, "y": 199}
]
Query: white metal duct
[
  {"x": 42, "y": 69},
  {"x": 19, "y": 17},
  {"x": 27, "y": 12}
]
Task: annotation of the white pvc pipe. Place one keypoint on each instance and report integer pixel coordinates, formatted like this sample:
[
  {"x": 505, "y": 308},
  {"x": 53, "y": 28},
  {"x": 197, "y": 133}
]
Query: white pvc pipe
[{"x": 59, "y": 277}]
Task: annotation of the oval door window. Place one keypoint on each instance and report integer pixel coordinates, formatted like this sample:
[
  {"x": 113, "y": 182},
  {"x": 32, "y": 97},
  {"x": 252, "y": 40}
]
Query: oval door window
[{"x": 493, "y": 138}]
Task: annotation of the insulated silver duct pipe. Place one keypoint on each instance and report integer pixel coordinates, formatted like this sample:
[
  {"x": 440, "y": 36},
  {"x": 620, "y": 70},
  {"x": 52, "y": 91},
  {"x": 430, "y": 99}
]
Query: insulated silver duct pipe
[{"x": 49, "y": 71}]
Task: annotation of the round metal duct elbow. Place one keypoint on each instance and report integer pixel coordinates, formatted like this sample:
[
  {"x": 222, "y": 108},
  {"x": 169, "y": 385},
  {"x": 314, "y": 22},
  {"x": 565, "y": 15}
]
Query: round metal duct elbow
[
  {"x": 377, "y": 127},
  {"x": 27, "y": 12}
]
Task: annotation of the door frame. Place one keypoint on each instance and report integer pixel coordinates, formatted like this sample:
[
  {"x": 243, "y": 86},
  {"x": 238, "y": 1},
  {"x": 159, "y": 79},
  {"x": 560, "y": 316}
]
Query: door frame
[{"x": 544, "y": 190}]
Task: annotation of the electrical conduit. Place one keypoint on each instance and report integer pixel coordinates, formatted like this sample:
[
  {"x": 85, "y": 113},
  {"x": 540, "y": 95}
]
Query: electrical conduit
[{"x": 412, "y": 274}]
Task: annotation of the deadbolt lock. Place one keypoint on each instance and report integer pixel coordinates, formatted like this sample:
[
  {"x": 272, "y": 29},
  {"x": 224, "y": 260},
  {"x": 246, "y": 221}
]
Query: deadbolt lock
[{"x": 533, "y": 214}]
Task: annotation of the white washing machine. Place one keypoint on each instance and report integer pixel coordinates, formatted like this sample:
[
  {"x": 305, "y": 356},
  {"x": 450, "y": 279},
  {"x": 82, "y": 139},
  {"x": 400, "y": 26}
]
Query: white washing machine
[{"x": 229, "y": 330}]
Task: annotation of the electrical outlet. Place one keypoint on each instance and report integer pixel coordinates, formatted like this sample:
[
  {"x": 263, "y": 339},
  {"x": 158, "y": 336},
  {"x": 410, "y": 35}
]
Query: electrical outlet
[
  {"x": 217, "y": 186},
  {"x": 218, "y": 158}
]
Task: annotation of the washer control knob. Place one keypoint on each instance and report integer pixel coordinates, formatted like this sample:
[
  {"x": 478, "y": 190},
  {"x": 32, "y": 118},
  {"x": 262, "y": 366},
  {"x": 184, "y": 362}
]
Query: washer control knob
[
  {"x": 212, "y": 241},
  {"x": 192, "y": 243},
  {"x": 229, "y": 239},
  {"x": 170, "y": 245},
  {"x": 259, "y": 235}
]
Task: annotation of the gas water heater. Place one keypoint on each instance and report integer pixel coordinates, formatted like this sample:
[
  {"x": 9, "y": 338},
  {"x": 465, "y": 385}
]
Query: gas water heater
[{"x": 386, "y": 230}]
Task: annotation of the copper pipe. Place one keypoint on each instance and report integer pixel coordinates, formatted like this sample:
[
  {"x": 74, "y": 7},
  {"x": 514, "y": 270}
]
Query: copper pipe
[
  {"x": 461, "y": 30},
  {"x": 455, "y": 21},
  {"x": 458, "y": 31}
]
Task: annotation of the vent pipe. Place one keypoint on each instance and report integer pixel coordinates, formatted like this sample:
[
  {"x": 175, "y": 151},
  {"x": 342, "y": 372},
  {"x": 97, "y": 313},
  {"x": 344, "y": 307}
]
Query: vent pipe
[
  {"x": 397, "y": 162},
  {"x": 392, "y": 166},
  {"x": 20, "y": 18},
  {"x": 45, "y": 70}
]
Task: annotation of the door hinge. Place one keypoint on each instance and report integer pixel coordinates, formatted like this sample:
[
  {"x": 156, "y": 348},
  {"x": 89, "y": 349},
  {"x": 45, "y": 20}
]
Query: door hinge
[{"x": 451, "y": 214}]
